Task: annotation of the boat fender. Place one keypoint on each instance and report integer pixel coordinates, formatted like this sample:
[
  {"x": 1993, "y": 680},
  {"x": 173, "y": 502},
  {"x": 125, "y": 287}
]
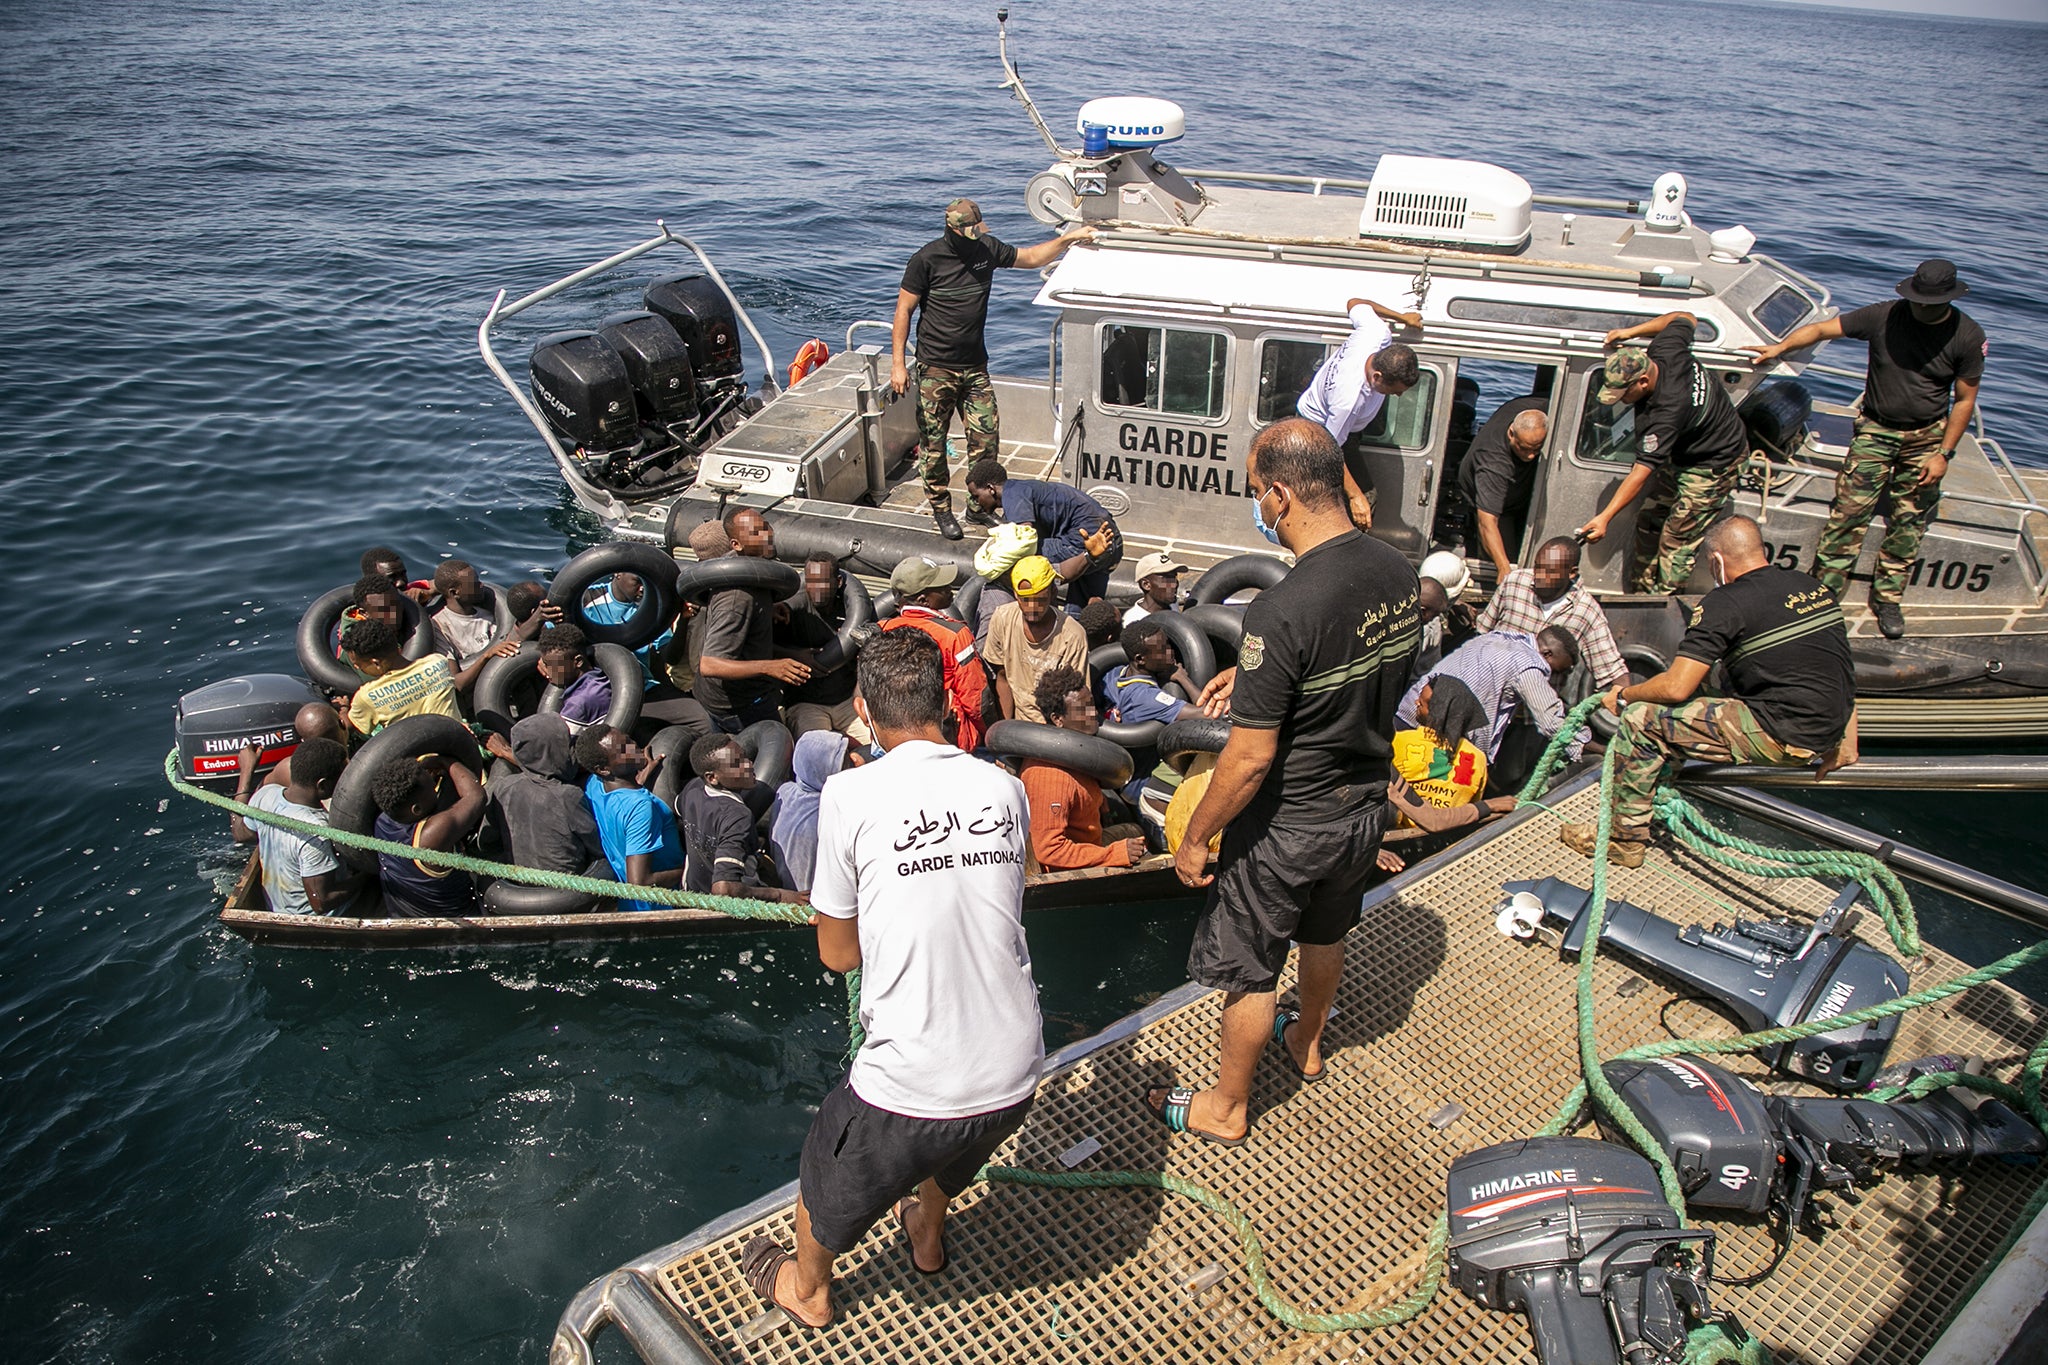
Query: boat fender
[
  {"x": 860, "y": 611},
  {"x": 502, "y": 624},
  {"x": 503, "y": 897},
  {"x": 658, "y": 605},
  {"x": 1107, "y": 762},
  {"x": 700, "y": 578},
  {"x": 622, "y": 670},
  {"x": 316, "y": 638},
  {"x": 1237, "y": 573},
  {"x": 809, "y": 356},
  {"x": 1192, "y": 734},
  {"x": 352, "y": 808},
  {"x": 490, "y": 700}
]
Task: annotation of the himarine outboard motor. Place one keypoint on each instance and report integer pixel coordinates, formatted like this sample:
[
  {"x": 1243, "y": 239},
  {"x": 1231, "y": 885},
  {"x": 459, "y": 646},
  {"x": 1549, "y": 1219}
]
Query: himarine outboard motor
[
  {"x": 214, "y": 722},
  {"x": 583, "y": 389},
  {"x": 1574, "y": 1234},
  {"x": 1735, "y": 1147},
  {"x": 1768, "y": 973}
]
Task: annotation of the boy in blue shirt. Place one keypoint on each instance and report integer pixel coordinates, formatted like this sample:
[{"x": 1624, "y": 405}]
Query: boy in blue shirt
[
  {"x": 636, "y": 827},
  {"x": 1137, "y": 690}
]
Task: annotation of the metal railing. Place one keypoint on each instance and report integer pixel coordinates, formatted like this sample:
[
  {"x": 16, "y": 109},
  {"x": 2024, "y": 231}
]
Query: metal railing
[{"x": 1318, "y": 183}]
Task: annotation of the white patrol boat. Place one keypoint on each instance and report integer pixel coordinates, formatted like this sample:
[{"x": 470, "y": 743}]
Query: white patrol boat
[{"x": 1198, "y": 315}]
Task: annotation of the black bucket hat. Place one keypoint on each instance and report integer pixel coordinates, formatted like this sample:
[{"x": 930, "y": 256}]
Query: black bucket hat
[{"x": 1934, "y": 282}]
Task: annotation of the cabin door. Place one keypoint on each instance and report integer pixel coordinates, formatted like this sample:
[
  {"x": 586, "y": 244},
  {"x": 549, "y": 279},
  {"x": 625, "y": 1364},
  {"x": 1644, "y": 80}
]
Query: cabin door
[{"x": 1579, "y": 477}]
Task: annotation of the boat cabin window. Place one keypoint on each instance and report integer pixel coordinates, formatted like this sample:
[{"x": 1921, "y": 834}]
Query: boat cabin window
[
  {"x": 1785, "y": 309},
  {"x": 1607, "y": 433},
  {"x": 1164, "y": 369},
  {"x": 1286, "y": 366},
  {"x": 1598, "y": 320}
]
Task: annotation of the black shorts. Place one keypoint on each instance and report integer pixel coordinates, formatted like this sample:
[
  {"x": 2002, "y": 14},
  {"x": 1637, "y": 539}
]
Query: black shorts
[
  {"x": 1281, "y": 883},
  {"x": 859, "y": 1160}
]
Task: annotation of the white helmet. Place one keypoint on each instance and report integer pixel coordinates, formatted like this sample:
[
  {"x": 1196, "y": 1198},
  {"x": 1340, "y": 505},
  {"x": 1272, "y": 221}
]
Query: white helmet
[
  {"x": 1005, "y": 545},
  {"x": 1448, "y": 568}
]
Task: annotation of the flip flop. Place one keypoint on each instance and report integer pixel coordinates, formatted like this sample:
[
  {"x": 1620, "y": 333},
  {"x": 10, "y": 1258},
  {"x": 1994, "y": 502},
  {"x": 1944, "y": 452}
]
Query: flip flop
[
  {"x": 1174, "y": 1114},
  {"x": 1280, "y": 1023},
  {"x": 761, "y": 1262},
  {"x": 910, "y": 1244}
]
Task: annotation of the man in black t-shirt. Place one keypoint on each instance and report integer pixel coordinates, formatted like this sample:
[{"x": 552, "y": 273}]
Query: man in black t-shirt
[
  {"x": 825, "y": 700},
  {"x": 1689, "y": 447},
  {"x": 1922, "y": 350},
  {"x": 1792, "y": 701},
  {"x": 947, "y": 284},
  {"x": 1498, "y": 477},
  {"x": 740, "y": 673},
  {"x": 1299, "y": 791},
  {"x": 721, "y": 842}
]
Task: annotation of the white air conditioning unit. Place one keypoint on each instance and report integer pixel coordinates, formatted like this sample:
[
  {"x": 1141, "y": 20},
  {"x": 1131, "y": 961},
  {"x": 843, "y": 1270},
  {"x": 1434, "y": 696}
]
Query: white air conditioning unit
[{"x": 1436, "y": 199}]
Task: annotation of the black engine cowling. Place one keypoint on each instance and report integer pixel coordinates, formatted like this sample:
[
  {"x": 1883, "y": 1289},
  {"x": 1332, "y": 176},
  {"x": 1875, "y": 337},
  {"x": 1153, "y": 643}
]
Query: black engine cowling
[
  {"x": 658, "y": 364},
  {"x": 583, "y": 389},
  {"x": 702, "y": 317}
]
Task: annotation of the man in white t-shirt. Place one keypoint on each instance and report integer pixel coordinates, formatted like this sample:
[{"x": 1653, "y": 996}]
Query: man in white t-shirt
[
  {"x": 1347, "y": 392},
  {"x": 301, "y": 875},
  {"x": 922, "y": 855}
]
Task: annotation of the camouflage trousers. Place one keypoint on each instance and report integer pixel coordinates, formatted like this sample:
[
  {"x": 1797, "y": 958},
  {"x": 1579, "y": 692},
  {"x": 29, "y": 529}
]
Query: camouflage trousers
[
  {"x": 1654, "y": 740},
  {"x": 1883, "y": 466},
  {"x": 941, "y": 393},
  {"x": 1677, "y": 509}
]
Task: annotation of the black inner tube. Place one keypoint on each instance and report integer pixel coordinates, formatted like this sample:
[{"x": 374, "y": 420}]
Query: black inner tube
[
  {"x": 622, "y": 670},
  {"x": 1106, "y": 762},
  {"x": 352, "y": 808},
  {"x": 490, "y": 699},
  {"x": 504, "y": 897},
  {"x": 860, "y": 611},
  {"x": 658, "y": 603},
  {"x": 700, "y": 578},
  {"x": 1191, "y": 734},
  {"x": 315, "y": 640},
  {"x": 1237, "y": 573}
]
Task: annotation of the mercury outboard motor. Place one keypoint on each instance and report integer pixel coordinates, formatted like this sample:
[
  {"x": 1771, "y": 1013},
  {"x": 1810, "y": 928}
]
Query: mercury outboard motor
[
  {"x": 1735, "y": 1147},
  {"x": 1574, "y": 1234},
  {"x": 1768, "y": 973},
  {"x": 702, "y": 317},
  {"x": 586, "y": 394},
  {"x": 213, "y": 723},
  {"x": 658, "y": 364}
]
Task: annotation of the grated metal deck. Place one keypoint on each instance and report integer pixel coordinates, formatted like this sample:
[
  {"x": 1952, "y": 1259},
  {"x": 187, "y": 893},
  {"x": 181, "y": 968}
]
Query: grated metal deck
[{"x": 1343, "y": 1179}]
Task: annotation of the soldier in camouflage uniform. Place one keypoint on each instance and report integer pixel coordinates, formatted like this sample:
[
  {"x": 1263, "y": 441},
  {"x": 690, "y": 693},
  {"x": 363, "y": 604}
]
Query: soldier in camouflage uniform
[
  {"x": 1786, "y": 651},
  {"x": 947, "y": 285},
  {"x": 1921, "y": 351},
  {"x": 1676, "y": 512}
]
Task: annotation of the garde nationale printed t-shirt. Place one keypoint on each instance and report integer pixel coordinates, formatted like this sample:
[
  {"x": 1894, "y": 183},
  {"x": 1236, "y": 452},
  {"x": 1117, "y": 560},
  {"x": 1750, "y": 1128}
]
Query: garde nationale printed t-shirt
[
  {"x": 951, "y": 278},
  {"x": 1786, "y": 648},
  {"x": 927, "y": 846},
  {"x": 1914, "y": 365}
]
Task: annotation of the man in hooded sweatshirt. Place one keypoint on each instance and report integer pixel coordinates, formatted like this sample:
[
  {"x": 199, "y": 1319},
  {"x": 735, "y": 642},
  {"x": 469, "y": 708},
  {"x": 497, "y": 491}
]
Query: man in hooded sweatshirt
[
  {"x": 793, "y": 823},
  {"x": 540, "y": 809}
]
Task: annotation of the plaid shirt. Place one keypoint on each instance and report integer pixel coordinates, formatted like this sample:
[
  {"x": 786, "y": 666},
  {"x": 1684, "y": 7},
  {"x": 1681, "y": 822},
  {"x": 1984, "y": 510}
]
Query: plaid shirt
[{"x": 1577, "y": 613}]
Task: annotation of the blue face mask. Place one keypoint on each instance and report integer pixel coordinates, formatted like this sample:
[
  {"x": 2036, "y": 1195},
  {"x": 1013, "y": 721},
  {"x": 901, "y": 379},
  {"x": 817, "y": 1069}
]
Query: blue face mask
[{"x": 1259, "y": 519}]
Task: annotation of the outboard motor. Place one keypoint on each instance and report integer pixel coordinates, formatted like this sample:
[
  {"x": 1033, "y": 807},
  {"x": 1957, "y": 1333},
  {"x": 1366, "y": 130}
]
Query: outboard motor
[
  {"x": 1575, "y": 1234},
  {"x": 657, "y": 362},
  {"x": 1776, "y": 416},
  {"x": 1735, "y": 1147},
  {"x": 586, "y": 394},
  {"x": 214, "y": 722},
  {"x": 1768, "y": 973},
  {"x": 698, "y": 310}
]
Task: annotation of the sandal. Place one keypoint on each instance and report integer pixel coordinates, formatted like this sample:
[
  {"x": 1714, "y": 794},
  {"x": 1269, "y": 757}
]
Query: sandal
[
  {"x": 910, "y": 1243},
  {"x": 1174, "y": 1114},
  {"x": 762, "y": 1263},
  {"x": 1280, "y": 1023}
]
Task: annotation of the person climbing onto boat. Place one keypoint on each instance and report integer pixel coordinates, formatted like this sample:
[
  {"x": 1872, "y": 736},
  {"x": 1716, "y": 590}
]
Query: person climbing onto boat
[
  {"x": 539, "y": 810},
  {"x": 1299, "y": 791},
  {"x": 947, "y": 284},
  {"x": 1510, "y": 672},
  {"x": 1919, "y": 392},
  {"x": 1029, "y": 637},
  {"x": 395, "y": 687},
  {"x": 740, "y": 674},
  {"x": 924, "y": 589},
  {"x": 1066, "y": 806},
  {"x": 408, "y": 796},
  {"x": 1791, "y": 688},
  {"x": 721, "y": 839},
  {"x": 635, "y": 827},
  {"x": 388, "y": 564},
  {"x": 793, "y": 820},
  {"x": 1005, "y": 548},
  {"x": 1498, "y": 477},
  {"x": 301, "y": 875},
  {"x": 825, "y": 700},
  {"x": 1690, "y": 446},
  {"x": 566, "y": 662},
  {"x": 461, "y": 631},
  {"x": 1549, "y": 593},
  {"x": 1074, "y": 532},
  {"x": 1158, "y": 586},
  {"x": 1350, "y": 387},
  {"x": 920, "y": 883}
]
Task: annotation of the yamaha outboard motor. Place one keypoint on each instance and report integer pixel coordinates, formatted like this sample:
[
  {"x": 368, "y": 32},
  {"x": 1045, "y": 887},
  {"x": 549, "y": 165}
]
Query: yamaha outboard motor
[
  {"x": 213, "y": 723},
  {"x": 1768, "y": 973},
  {"x": 582, "y": 388},
  {"x": 1574, "y": 1234},
  {"x": 1735, "y": 1147}
]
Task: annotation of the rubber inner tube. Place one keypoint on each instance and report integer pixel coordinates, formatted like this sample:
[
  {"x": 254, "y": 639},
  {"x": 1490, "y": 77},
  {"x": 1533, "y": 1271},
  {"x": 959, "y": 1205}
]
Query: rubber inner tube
[
  {"x": 967, "y": 599},
  {"x": 1132, "y": 735},
  {"x": 1106, "y": 762},
  {"x": 1237, "y": 573},
  {"x": 885, "y": 606},
  {"x": 768, "y": 742},
  {"x": 622, "y": 670},
  {"x": 1192, "y": 734},
  {"x": 699, "y": 578},
  {"x": 1223, "y": 623},
  {"x": 490, "y": 700},
  {"x": 503, "y": 897},
  {"x": 502, "y": 624},
  {"x": 658, "y": 604},
  {"x": 316, "y": 638},
  {"x": 672, "y": 745},
  {"x": 354, "y": 809},
  {"x": 860, "y": 611}
]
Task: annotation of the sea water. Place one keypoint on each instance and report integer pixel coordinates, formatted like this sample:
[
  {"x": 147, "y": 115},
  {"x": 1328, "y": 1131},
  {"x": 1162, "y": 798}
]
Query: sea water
[{"x": 244, "y": 247}]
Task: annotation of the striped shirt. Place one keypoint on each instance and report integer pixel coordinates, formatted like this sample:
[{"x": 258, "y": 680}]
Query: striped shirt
[{"x": 1578, "y": 614}]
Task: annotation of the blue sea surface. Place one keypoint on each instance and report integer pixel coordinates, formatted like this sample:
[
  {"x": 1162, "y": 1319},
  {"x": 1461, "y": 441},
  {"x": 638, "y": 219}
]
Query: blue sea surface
[{"x": 243, "y": 254}]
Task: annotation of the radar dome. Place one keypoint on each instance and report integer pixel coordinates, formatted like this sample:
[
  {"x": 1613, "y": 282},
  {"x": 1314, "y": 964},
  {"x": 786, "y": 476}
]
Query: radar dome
[{"x": 1130, "y": 122}]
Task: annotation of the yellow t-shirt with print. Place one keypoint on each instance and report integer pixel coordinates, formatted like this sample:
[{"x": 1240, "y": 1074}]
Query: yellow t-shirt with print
[{"x": 425, "y": 687}]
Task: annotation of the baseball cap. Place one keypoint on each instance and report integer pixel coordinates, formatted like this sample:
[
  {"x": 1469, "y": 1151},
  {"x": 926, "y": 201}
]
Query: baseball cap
[
  {"x": 1006, "y": 544},
  {"x": 1624, "y": 368},
  {"x": 1032, "y": 575},
  {"x": 1159, "y": 563},
  {"x": 962, "y": 213},
  {"x": 921, "y": 574}
]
